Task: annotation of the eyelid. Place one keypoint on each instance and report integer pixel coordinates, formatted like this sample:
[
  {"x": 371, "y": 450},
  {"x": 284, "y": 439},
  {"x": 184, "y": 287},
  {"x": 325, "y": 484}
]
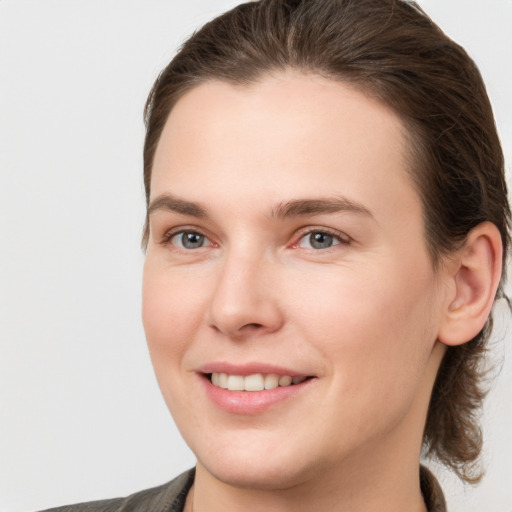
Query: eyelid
[
  {"x": 171, "y": 233},
  {"x": 343, "y": 238}
]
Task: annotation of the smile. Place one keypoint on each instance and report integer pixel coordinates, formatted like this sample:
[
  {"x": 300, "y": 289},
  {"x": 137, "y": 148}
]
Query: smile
[{"x": 253, "y": 382}]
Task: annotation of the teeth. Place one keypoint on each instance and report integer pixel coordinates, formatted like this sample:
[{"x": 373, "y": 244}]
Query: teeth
[
  {"x": 285, "y": 380},
  {"x": 271, "y": 381},
  {"x": 236, "y": 383},
  {"x": 223, "y": 380},
  {"x": 254, "y": 382}
]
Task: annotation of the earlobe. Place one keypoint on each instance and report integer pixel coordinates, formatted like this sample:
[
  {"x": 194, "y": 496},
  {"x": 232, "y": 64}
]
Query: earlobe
[{"x": 475, "y": 279}]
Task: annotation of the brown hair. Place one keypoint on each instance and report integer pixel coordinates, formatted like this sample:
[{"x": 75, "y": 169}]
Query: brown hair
[{"x": 391, "y": 50}]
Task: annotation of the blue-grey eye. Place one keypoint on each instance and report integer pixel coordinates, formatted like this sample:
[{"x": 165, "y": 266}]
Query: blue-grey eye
[
  {"x": 318, "y": 240},
  {"x": 189, "y": 240}
]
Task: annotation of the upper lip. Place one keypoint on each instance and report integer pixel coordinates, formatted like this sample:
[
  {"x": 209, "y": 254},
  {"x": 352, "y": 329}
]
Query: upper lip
[{"x": 248, "y": 369}]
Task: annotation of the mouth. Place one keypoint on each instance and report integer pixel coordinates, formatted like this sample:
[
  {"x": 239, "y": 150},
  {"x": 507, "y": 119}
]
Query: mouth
[
  {"x": 252, "y": 388},
  {"x": 254, "y": 382}
]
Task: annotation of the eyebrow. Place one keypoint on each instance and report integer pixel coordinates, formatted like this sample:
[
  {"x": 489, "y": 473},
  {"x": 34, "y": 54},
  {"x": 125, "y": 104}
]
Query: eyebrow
[
  {"x": 174, "y": 204},
  {"x": 294, "y": 208},
  {"x": 300, "y": 207}
]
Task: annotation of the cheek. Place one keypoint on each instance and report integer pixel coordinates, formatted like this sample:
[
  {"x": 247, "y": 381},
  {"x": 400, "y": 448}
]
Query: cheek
[
  {"x": 171, "y": 311},
  {"x": 377, "y": 329}
]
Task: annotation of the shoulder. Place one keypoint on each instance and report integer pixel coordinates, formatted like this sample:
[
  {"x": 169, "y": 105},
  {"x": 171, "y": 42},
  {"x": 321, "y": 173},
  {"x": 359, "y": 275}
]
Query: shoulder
[{"x": 169, "y": 497}]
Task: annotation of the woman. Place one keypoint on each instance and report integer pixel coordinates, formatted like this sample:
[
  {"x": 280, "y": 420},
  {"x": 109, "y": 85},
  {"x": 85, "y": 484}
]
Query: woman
[{"x": 327, "y": 222}]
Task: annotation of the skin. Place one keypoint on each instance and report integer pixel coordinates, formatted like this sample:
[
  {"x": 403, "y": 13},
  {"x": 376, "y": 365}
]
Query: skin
[{"x": 362, "y": 317}]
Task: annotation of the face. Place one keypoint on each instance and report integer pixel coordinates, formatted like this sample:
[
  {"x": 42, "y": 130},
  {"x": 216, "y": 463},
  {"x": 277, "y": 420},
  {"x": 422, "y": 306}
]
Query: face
[{"x": 286, "y": 244}]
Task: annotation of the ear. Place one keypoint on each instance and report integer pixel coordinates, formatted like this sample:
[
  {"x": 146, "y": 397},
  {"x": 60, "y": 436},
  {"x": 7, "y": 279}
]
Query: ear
[{"x": 474, "y": 275}]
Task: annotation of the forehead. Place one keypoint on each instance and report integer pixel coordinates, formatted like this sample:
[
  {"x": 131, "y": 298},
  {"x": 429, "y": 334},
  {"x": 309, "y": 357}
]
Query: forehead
[
  {"x": 314, "y": 103},
  {"x": 289, "y": 133}
]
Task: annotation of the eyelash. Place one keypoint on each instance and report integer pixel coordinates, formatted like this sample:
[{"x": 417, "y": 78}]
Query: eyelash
[
  {"x": 166, "y": 239},
  {"x": 341, "y": 238}
]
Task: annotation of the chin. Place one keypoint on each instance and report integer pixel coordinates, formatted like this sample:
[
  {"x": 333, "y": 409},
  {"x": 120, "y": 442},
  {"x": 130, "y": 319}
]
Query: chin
[
  {"x": 244, "y": 475},
  {"x": 274, "y": 465}
]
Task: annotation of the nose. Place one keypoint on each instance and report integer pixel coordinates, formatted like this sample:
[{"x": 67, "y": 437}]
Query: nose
[{"x": 244, "y": 301}]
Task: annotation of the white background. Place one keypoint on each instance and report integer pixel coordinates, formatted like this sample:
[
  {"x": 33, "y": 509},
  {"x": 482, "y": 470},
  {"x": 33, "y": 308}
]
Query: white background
[{"x": 81, "y": 414}]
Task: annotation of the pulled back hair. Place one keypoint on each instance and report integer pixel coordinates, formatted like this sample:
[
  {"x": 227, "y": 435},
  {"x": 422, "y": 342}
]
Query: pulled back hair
[{"x": 391, "y": 50}]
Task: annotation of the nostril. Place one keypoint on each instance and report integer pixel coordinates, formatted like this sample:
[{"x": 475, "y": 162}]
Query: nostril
[{"x": 253, "y": 326}]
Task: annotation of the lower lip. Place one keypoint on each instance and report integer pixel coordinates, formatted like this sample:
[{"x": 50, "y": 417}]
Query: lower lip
[{"x": 251, "y": 402}]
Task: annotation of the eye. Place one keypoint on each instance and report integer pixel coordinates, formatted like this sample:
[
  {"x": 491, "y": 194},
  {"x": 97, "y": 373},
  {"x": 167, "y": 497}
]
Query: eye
[
  {"x": 319, "y": 240},
  {"x": 189, "y": 240}
]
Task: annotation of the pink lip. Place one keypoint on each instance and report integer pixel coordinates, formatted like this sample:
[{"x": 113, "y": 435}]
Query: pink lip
[
  {"x": 249, "y": 402},
  {"x": 247, "y": 369}
]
